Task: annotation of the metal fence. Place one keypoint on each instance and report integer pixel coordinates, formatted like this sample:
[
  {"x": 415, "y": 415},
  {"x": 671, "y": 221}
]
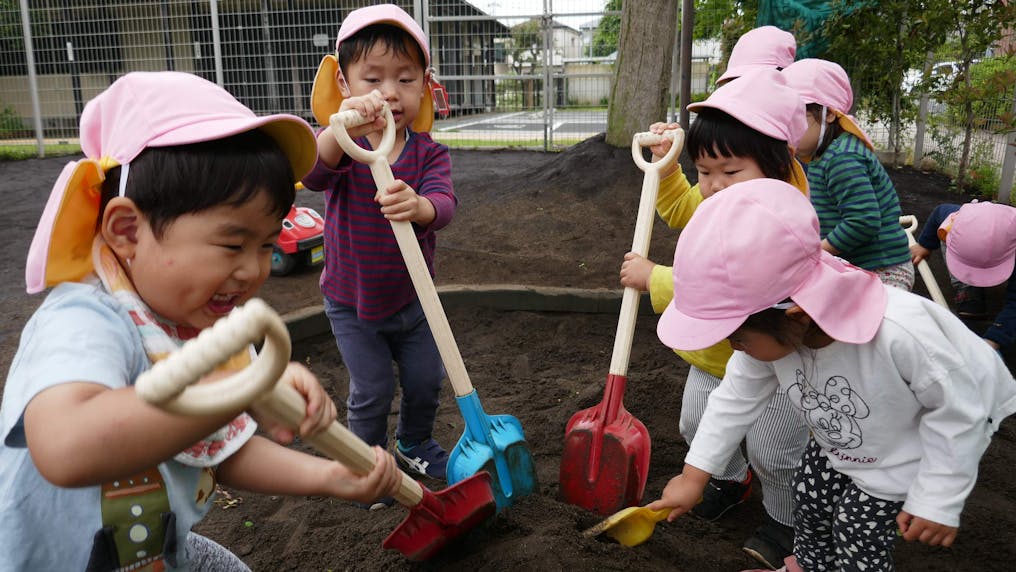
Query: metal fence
[{"x": 525, "y": 73}]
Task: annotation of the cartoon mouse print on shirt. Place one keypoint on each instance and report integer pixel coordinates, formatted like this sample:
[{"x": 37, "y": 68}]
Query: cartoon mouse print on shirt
[{"x": 832, "y": 410}]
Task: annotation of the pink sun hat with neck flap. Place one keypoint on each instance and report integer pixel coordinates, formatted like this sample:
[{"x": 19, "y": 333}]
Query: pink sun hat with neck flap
[
  {"x": 326, "y": 97},
  {"x": 826, "y": 83},
  {"x": 766, "y": 47},
  {"x": 753, "y": 246},
  {"x": 138, "y": 111},
  {"x": 981, "y": 243},
  {"x": 763, "y": 101}
]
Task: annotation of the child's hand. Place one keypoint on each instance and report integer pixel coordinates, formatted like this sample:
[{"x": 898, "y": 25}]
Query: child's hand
[
  {"x": 401, "y": 203},
  {"x": 926, "y": 531},
  {"x": 635, "y": 271},
  {"x": 660, "y": 150},
  {"x": 370, "y": 106},
  {"x": 681, "y": 494},
  {"x": 918, "y": 253},
  {"x": 382, "y": 481},
  {"x": 320, "y": 411}
]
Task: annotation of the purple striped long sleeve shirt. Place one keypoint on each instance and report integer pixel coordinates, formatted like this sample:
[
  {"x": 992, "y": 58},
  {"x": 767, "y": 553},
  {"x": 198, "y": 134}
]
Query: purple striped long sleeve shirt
[{"x": 363, "y": 265}]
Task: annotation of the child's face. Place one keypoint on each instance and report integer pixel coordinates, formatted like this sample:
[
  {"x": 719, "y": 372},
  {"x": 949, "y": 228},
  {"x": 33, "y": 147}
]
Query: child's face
[
  {"x": 400, "y": 80},
  {"x": 206, "y": 263},
  {"x": 716, "y": 174},
  {"x": 809, "y": 142},
  {"x": 759, "y": 345}
]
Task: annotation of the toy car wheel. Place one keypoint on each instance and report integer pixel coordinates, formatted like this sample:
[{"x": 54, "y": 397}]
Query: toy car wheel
[{"x": 282, "y": 263}]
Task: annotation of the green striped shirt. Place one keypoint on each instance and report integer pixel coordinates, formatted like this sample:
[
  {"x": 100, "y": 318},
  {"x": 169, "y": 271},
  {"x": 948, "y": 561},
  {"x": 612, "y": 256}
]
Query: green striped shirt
[{"x": 857, "y": 205}]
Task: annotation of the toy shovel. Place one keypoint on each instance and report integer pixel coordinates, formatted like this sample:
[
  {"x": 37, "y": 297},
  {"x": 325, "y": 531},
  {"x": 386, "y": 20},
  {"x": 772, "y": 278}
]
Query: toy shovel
[
  {"x": 605, "y": 462},
  {"x": 492, "y": 443},
  {"x": 909, "y": 223},
  {"x": 631, "y": 526},
  {"x": 434, "y": 519}
]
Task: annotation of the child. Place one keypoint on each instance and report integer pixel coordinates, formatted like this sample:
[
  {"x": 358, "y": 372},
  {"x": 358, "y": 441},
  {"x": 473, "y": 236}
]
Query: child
[
  {"x": 382, "y": 57},
  {"x": 980, "y": 243},
  {"x": 164, "y": 228},
  {"x": 765, "y": 47},
  {"x": 901, "y": 398},
  {"x": 741, "y": 133},
  {"x": 857, "y": 204}
]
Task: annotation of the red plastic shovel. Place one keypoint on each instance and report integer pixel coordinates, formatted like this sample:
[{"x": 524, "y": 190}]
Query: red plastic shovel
[
  {"x": 605, "y": 461},
  {"x": 434, "y": 519}
]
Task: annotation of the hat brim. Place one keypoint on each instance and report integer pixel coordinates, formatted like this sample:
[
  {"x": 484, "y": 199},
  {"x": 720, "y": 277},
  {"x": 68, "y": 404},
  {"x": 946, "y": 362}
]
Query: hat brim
[
  {"x": 738, "y": 71},
  {"x": 978, "y": 275},
  {"x": 326, "y": 98},
  {"x": 681, "y": 331}
]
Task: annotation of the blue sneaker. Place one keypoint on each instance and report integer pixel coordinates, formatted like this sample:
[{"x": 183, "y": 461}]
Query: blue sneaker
[{"x": 427, "y": 459}]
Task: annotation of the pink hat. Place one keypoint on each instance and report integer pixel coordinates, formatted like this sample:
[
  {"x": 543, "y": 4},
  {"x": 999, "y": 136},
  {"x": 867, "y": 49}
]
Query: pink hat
[
  {"x": 981, "y": 245},
  {"x": 763, "y": 101},
  {"x": 822, "y": 82},
  {"x": 137, "y": 111},
  {"x": 767, "y": 47},
  {"x": 326, "y": 98},
  {"x": 752, "y": 246}
]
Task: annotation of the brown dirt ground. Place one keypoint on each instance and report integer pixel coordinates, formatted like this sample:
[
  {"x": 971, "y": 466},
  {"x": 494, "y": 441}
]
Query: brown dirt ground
[{"x": 539, "y": 219}]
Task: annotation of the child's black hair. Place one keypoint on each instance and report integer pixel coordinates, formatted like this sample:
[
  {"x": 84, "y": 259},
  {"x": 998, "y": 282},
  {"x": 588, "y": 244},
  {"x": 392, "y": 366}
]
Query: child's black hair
[
  {"x": 774, "y": 322},
  {"x": 832, "y": 130},
  {"x": 168, "y": 182},
  {"x": 394, "y": 38},
  {"x": 715, "y": 131}
]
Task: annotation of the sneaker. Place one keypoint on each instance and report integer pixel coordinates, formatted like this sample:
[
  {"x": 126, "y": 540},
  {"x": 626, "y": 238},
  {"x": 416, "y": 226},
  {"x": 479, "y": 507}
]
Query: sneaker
[
  {"x": 789, "y": 565},
  {"x": 721, "y": 496},
  {"x": 427, "y": 459},
  {"x": 770, "y": 544},
  {"x": 379, "y": 504}
]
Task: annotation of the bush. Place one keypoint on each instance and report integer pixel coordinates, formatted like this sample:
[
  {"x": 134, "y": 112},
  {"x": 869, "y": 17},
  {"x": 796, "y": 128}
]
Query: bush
[{"x": 11, "y": 125}]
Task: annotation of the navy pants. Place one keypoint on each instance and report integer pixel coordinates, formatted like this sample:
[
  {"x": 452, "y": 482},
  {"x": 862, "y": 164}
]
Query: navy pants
[{"x": 372, "y": 351}]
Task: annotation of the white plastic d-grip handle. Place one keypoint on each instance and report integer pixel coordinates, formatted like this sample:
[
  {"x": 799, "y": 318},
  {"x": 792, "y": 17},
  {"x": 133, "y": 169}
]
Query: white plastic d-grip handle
[
  {"x": 169, "y": 384},
  {"x": 343, "y": 120}
]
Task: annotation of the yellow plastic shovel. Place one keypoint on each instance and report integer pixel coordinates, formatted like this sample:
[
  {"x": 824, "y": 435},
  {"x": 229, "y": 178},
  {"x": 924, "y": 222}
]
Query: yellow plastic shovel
[{"x": 631, "y": 526}]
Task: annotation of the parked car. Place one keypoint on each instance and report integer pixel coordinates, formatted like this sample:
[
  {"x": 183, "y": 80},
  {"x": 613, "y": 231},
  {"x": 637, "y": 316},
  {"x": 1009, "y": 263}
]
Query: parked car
[{"x": 301, "y": 243}]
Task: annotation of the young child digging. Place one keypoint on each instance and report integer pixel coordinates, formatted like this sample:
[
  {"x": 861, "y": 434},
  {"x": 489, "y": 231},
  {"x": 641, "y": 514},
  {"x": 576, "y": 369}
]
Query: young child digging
[
  {"x": 742, "y": 132},
  {"x": 164, "y": 227},
  {"x": 900, "y": 397},
  {"x": 858, "y": 209},
  {"x": 382, "y": 58}
]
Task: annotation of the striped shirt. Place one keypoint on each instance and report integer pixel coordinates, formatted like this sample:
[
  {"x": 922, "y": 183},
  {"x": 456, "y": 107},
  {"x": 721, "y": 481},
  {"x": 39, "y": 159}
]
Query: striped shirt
[
  {"x": 857, "y": 205},
  {"x": 364, "y": 267}
]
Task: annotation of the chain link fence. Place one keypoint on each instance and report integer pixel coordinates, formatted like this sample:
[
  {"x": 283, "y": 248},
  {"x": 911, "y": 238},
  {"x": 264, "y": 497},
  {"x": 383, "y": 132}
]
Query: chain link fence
[{"x": 518, "y": 73}]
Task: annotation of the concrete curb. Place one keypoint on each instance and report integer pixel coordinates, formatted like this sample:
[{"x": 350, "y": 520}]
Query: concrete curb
[{"x": 311, "y": 321}]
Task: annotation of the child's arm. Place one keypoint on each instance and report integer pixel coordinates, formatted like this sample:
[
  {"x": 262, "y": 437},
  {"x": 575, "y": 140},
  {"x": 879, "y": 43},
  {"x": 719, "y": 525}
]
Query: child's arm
[
  {"x": 928, "y": 240},
  {"x": 682, "y": 492},
  {"x": 1002, "y": 332},
  {"x": 926, "y": 531},
  {"x": 320, "y": 410},
  {"x": 82, "y": 434},
  {"x": 860, "y": 216},
  {"x": 262, "y": 466}
]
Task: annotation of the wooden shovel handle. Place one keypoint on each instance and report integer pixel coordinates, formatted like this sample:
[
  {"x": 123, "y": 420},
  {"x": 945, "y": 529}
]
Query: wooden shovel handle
[
  {"x": 909, "y": 223},
  {"x": 408, "y": 245},
  {"x": 169, "y": 385},
  {"x": 643, "y": 232}
]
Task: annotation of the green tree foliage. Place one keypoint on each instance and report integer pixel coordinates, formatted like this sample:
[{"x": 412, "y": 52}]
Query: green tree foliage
[
  {"x": 608, "y": 31},
  {"x": 877, "y": 42}
]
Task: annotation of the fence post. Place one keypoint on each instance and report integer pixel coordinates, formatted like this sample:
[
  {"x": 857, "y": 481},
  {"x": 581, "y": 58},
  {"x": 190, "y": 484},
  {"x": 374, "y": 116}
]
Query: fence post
[
  {"x": 922, "y": 114},
  {"x": 674, "y": 69},
  {"x": 33, "y": 82},
  {"x": 213, "y": 6},
  {"x": 548, "y": 87},
  {"x": 1008, "y": 164},
  {"x": 687, "y": 27}
]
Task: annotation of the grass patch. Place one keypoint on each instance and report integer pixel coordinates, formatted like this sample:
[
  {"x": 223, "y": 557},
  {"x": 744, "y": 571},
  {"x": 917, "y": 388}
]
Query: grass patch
[{"x": 19, "y": 152}]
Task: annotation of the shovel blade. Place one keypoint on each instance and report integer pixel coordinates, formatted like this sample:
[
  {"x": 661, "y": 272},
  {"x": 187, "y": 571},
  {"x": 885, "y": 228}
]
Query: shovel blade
[
  {"x": 495, "y": 444},
  {"x": 604, "y": 467},
  {"x": 443, "y": 517}
]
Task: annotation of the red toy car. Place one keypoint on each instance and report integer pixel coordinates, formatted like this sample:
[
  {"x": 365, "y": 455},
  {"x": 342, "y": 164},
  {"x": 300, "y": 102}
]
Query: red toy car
[{"x": 302, "y": 241}]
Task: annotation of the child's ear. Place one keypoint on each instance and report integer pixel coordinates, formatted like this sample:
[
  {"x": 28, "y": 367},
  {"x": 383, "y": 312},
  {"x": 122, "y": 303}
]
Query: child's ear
[
  {"x": 343, "y": 86},
  {"x": 797, "y": 315},
  {"x": 119, "y": 227},
  {"x": 830, "y": 116}
]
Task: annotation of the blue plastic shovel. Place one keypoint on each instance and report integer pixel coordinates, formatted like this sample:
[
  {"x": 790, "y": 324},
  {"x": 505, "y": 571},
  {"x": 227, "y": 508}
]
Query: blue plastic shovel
[{"x": 492, "y": 443}]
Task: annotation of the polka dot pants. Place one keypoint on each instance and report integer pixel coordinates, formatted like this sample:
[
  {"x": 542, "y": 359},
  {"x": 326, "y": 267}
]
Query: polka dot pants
[{"x": 837, "y": 526}]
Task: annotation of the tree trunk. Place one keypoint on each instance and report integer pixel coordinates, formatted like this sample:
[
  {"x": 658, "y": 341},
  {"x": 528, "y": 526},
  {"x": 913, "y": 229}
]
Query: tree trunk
[{"x": 638, "y": 92}]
